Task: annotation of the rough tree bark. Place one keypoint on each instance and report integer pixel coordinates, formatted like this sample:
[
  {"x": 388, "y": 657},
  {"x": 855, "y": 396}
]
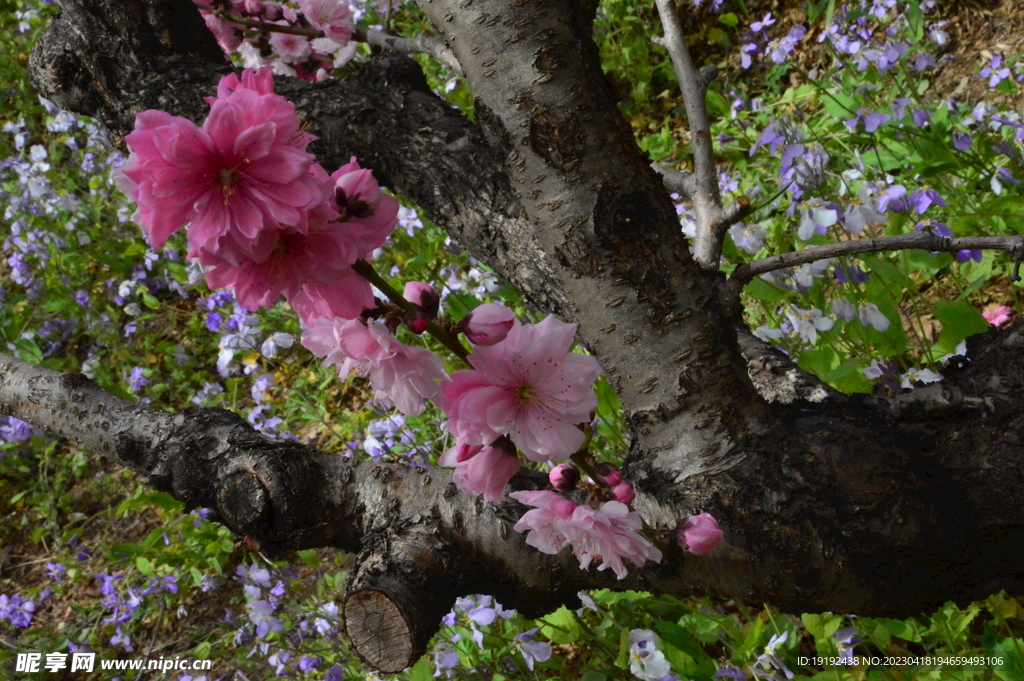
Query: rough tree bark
[{"x": 850, "y": 504}]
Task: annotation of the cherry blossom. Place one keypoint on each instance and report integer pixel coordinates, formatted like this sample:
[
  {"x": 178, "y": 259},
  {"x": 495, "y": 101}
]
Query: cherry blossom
[
  {"x": 488, "y": 324},
  {"x": 482, "y": 470},
  {"x": 528, "y": 386},
  {"x": 608, "y": 533},
  {"x": 402, "y": 376},
  {"x": 239, "y": 179},
  {"x": 699, "y": 534}
]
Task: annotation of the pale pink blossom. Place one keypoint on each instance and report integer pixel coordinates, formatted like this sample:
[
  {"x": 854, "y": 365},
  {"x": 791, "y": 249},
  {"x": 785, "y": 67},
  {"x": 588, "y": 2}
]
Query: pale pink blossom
[
  {"x": 528, "y": 386},
  {"x": 608, "y": 534},
  {"x": 488, "y": 324},
  {"x": 544, "y": 525},
  {"x": 290, "y": 48},
  {"x": 228, "y": 33},
  {"x": 699, "y": 534},
  {"x": 998, "y": 316},
  {"x": 333, "y": 17},
  {"x": 402, "y": 376},
  {"x": 482, "y": 470},
  {"x": 241, "y": 177}
]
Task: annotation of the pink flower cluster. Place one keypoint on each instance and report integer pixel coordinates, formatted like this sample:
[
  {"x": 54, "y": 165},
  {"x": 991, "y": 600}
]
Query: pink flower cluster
[
  {"x": 294, "y": 55},
  {"x": 608, "y": 533},
  {"x": 265, "y": 219}
]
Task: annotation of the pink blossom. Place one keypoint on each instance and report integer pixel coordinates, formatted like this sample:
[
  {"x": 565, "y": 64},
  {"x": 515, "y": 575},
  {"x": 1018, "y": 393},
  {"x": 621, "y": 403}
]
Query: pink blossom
[
  {"x": 290, "y": 48},
  {"x": 482, "y": 470},
  {"x": 699, "y": 534},
  {"x": 370, "y": 213},
  {"x": 564, "y": 477},
  {"x": 543, "y": 525},
  {"x": 402, "y": 376},
  {"x": 239, "y": 178},
  {"x": 528, "y": 386},
  {"x": 624, "y": 493},
  {"x": 422, "y": 296},
  {"x": 312, "y": 271},
  {"x": 608, "y": 474},
  {"x": 228, "y": 33},
  {"x": 488, "y": 324},
  {"x": 998, "y": 316},
  {"x": 333, "y": 17},
  {"x": 608, "y": 534}
]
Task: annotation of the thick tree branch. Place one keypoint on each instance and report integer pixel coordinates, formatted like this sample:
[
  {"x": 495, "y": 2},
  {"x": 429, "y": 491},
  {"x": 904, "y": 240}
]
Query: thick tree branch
[{"x": 702, "y": 184}]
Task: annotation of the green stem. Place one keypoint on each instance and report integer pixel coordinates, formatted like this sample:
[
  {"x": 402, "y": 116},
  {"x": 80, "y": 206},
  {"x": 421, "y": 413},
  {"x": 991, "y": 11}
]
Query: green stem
[{"x": 366, "y": 271}]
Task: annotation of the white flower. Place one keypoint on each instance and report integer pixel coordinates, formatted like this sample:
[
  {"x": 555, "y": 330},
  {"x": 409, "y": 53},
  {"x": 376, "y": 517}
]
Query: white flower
[
  {"x": 843, "y": 309},
  {"x": 645, "y": 660},
  {"x": 750, "y": 238},
  {"x": 808, "y": 323},
  {"x": 919, "y": 376},
  {"x": 815, "y": 214},
  {"x": 871, "y": 316},
  {"x": 804, "y": 275}
]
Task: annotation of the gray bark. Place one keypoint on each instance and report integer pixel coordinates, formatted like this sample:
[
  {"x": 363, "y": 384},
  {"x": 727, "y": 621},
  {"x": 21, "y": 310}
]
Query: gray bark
[{"x": 850, "y": 504}]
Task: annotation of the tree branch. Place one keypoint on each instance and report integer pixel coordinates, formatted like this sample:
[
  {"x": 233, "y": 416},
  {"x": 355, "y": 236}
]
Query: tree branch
[
  {"x": 421, "y": 44},
  {"x": 702, "y": 189},
  {"x": 921, "y": 240}
]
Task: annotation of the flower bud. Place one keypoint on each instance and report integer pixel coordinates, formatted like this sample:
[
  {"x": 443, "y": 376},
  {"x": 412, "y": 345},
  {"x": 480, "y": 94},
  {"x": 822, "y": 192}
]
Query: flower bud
[
  {"x": 488, "y": 324},
  {"x": 422, "y": 296},
  {"x": 699, "y": 534},
  {"x": 624, "y": 493},
  {"x": 608, "y": 475},
  {"x": 564, "y": 477},
  {"x": 417, "y": 324},
  {"x": 356, "y": 191}
]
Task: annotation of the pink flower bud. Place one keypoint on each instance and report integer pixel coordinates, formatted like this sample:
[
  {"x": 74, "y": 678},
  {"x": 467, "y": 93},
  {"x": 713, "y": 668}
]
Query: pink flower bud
[
  {"x": 488, "y": 324},
  {"x": 271, "y": 11},
  {"x": 564, "y": 477},
  {"x": 356, "y": 190},
  {"x": 417, "y": 324},
  {"x": 422, "y": 296},
  {"x": 624, "y": 493},
  {"x": 699, "y": 534},
  {"x": 608, "y": 475}
]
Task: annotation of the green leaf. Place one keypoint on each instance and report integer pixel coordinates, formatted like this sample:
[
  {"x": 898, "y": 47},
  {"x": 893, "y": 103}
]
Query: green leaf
[
  {"x": 760, "y": 289},
  {"x": 893, "y": 277},
  {"x": 561, "y": 626},
  {"x": 680, "y": 638},
  {"x": 144, "y": 565},
  {"x": 959, "y": 320},
  {"x": 591, "y": 675},
  {"x": 422, "y": 670},
  {"x": 729, "y": 19}
]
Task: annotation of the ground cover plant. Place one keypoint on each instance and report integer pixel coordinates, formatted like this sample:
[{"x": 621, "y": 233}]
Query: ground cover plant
[{"x": 828, "y": 132}]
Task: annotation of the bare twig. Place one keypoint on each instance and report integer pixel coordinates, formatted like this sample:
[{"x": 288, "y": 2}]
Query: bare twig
[
  {"x": 925, "y": 241},
  {"x": 712, "y": 219},
  {"x": 421, "y": 44}
]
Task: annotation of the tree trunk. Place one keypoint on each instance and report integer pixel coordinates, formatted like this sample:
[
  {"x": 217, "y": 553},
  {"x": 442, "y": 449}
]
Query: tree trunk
[{"x": 828, "y": 502}]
